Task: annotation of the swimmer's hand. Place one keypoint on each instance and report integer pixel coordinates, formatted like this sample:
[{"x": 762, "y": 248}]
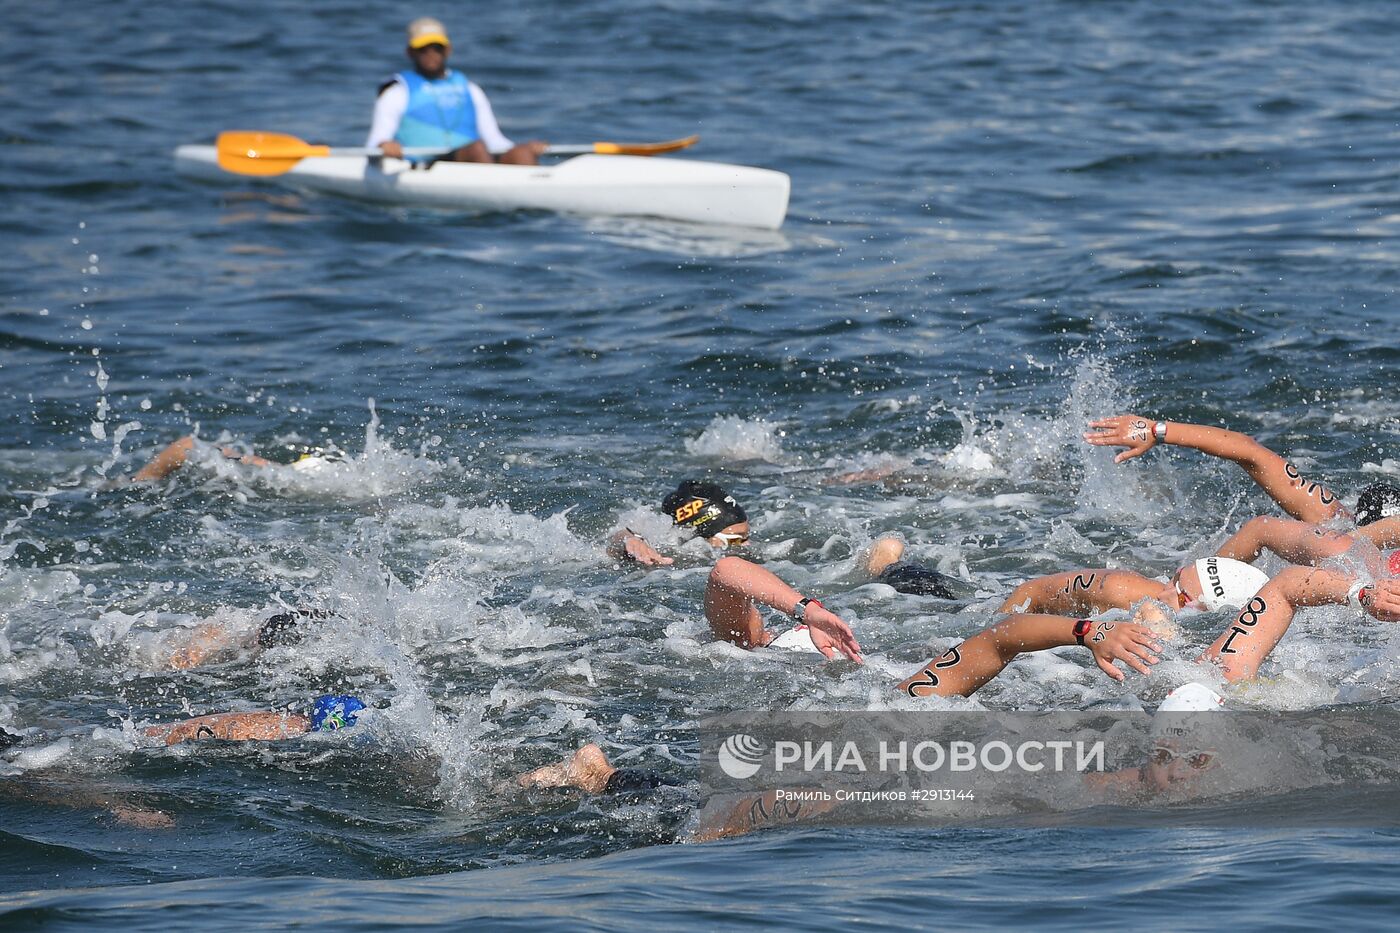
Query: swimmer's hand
[
  {"x": 1383, "y": 602},
  {"x": 1156, "y": 616},
  {"x": 630, "y": 546},
  {"x": 1134, "y": 645},
  {"x": 1131, "y": 431},
  {"x": 645, "y": 554},
  {"x": 830, "y": 634}
]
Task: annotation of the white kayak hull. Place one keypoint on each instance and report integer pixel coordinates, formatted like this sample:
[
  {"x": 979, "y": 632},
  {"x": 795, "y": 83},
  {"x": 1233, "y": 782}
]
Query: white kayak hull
[{"x": 610, "y": 185}]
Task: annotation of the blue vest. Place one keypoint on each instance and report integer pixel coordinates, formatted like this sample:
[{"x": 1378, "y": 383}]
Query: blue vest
[{"x": 440, "y": 112}]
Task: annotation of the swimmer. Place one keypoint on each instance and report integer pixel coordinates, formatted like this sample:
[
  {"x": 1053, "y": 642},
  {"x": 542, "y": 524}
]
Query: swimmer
[
  {"x": 326, "y": 714},
  {"x": 1207, "y": 584},
  {"x": 589, "y": 770},
  {"x": 1299, "y": 540},
  {"x": 710, "y": 512},
  {"x": 63, "y": 790},
  {"x": 705, "y": 509},
  {"x": 1181, "y": 749},
  {"x": 174, "y": 456},
  {"x": 1262, "y": 622},
  {"x": 1239, "y": 651},
  {"x": 211, "y": 640}
]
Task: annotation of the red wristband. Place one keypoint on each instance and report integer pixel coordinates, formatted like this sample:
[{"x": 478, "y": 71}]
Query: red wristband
[{"x": 1081, "y": 628}]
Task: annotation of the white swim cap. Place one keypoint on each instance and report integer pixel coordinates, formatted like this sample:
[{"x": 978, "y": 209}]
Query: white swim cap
[
  {"x": 1226, "y": 582},
  {"x": 1191, "y": 698},
  {"x": 797, "y": 639}
]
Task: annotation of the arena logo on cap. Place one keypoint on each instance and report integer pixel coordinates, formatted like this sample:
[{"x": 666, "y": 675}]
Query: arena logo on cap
[{"x": 1213, "y": 575}]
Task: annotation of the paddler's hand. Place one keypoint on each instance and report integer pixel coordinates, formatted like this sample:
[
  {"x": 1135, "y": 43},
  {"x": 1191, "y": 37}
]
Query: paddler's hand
[
  {"x": 1134, "y": 645},
  {"x": 392, "y": 149},
  {"x": 1131, "y": 431},
  {"x": 830, "y": 634},
  {"x": 537, "y": 147}
]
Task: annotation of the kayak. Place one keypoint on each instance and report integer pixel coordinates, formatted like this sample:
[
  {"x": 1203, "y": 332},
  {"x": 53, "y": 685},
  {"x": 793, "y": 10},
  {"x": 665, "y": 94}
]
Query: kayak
[{"x": 613, "y": 185}]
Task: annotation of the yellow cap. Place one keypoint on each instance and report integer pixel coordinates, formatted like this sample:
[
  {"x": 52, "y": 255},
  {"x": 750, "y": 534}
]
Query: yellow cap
[{"x": 425, "y": 31}]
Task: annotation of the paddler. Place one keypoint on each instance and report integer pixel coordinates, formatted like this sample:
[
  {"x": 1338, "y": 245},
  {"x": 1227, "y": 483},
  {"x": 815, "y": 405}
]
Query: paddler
[{"x": 433, "y": 105}]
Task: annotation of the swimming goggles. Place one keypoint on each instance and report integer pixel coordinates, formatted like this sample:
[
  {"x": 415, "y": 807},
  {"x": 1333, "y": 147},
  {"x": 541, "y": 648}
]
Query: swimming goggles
[
  {"x": 729, "y": 539},
  {"x": 1198, "y": 759},
  {"x": 1182, "y": 600}
]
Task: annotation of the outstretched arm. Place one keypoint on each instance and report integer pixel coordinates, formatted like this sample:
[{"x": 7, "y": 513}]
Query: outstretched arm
[
  {"x": 1242, "y": 648},
  {"x": 1296, "y": 542},
  {"x": 963, "y": 670},
  {"x": 1309, "y": 501},
  {"x": 264, "y": 725},
  {"x": 174, "y": 456},
  {"x": 1084, "y": 592},
  {"x": 737, "y": 588},
  {"x": 629, "y": 546}
]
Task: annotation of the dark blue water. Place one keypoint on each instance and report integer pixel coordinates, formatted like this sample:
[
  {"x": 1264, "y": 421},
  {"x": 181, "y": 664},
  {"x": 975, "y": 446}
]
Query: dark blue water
[{"x": 1006, "y": 218}]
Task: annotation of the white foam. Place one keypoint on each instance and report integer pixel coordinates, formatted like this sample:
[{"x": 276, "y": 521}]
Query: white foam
[{"x": 731, "y": 438}]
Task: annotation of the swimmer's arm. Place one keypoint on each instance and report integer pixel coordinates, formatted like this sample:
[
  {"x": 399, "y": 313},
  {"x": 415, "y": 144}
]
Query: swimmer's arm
[
  {"x": 963, "y": 670},
  {"x": 737, "y": 587},
  {"x": 1040, "y": 594},
  {"x": 1300, "y": 498},
  {"x": 174, "y": 456},
  {"x": 264, "y": 725},
  {"x": 1122, "y": 779},
  {"x": 1295, "y": 541},
  {"x": 205, "y": 640},
  {"x": 1261, "y": 624},
  {"x": 724, "y": 818},
  {"x": 858, "y": 477},
  {"x": 1082, "y": 591},
  {"x": 1384, "y": 533},
  {"x": 629, "y": 546}
]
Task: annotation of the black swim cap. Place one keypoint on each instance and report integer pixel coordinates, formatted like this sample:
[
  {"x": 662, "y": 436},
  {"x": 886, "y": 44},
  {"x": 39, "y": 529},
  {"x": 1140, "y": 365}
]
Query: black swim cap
[
  {"x": 916, "y": 580},
  {"x": 282, "y": 629},
  {"x": 1377, "y": 501},
  {"x": 705, "y": 508},
  {"x": 8, "y": 740}
]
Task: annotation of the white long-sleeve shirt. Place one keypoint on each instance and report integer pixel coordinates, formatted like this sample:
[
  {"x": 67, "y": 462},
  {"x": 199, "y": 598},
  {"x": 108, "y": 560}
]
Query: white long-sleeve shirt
[{"x": 393, "y": 103}]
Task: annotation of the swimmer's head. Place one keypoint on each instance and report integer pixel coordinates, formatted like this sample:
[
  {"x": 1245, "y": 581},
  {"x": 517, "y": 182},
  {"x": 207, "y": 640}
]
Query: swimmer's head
[
  {"x": 285, "y": 628},
  {"x": 1182, "y": 740},
  {"x": 709, "y": 511},
  {"x": 1377, "y": 501},
  {"x": 8, "y": 740},
  {"x": 1191, "y": 697},
  {"x": 1216, "y": 582},
  {"x": 330, "y": 713}
]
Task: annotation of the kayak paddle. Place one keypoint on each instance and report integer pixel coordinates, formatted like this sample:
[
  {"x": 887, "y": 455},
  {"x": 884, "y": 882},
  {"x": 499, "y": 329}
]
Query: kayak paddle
[{"x": 251, "y": 152}]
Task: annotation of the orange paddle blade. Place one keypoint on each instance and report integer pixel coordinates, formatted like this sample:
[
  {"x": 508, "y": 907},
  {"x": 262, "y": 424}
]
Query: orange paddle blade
[
  {"x": 645, "y": 149},
  {"x": 250, "y": 152}
]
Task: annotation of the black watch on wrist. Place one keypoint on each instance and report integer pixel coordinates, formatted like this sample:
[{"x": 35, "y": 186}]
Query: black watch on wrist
[
  {"x": 1081, "y": 628},
  {"x": 799, "y": 612}
]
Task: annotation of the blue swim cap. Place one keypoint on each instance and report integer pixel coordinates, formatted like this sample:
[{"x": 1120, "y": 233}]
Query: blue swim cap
[{"x": 330, "y": 713}]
